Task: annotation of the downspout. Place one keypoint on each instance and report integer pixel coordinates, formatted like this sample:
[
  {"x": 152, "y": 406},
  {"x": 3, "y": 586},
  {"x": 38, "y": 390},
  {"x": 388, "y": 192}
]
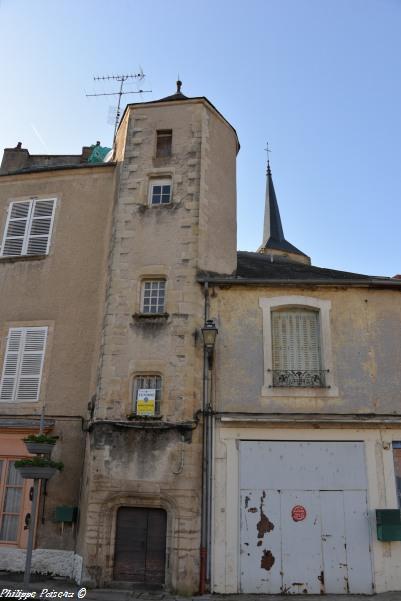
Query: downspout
[{"x": 205, "y": 463}]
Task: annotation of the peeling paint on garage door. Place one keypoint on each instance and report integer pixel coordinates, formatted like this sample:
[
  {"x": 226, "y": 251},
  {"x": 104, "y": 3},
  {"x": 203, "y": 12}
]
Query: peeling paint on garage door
[{"x": 304, "y": 525}]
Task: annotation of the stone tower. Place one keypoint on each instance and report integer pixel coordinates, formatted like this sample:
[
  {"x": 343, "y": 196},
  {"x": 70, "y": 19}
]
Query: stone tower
[{"x": 174, "y": 216}]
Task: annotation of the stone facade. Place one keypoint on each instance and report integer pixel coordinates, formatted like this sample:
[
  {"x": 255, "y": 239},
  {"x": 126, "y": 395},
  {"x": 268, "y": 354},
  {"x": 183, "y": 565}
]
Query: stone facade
[{"x": 158, "y": 463}]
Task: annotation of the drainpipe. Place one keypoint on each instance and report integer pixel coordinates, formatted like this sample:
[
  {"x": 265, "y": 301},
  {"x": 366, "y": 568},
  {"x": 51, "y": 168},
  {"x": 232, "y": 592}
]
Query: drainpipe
[{"x": 204, "y": 560}]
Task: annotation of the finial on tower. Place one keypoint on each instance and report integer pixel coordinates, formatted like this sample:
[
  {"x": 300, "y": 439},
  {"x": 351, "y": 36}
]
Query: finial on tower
[{"x": 179, "y": 84}]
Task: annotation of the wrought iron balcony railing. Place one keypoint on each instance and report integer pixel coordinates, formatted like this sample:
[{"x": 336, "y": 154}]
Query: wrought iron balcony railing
[{"x": 305, "y": 378}]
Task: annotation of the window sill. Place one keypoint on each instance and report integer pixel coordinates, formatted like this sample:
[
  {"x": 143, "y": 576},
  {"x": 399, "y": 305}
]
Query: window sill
[
  {"x": 150, "y": 316},
  {"x": 299, "y": 391},
  {"x": 143, "y": 418},
  {"x": 22, "y": 258}
]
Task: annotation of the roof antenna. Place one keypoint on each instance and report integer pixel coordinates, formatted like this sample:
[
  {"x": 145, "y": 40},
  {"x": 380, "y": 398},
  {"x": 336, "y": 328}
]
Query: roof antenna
[
  {"x": 122, "y": 79},
  {"x": 267, "y": 149}
]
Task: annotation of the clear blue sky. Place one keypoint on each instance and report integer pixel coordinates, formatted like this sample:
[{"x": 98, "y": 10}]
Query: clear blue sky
[{"x": 319, "y": 79}]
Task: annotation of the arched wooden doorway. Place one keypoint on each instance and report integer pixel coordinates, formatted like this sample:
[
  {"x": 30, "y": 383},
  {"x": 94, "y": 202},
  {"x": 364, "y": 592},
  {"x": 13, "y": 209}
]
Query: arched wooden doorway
[{"x": 140, "y": 549}]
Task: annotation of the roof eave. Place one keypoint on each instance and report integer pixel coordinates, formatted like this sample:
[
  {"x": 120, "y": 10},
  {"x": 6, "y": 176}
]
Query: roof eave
[{"x": 368, "y": 283}]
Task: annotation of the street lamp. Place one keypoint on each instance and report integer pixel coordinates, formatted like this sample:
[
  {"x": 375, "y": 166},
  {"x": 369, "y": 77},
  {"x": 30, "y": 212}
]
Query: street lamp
[{"x": 209, "y": 333}]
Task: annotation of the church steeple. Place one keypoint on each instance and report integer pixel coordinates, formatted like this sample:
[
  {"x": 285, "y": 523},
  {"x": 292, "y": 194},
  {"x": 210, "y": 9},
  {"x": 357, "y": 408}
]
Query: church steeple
[{"x": 274, "y": 242}]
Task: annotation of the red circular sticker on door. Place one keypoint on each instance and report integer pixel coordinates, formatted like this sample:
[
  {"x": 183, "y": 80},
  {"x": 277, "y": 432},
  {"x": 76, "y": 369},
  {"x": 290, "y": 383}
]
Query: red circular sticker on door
[{"x": 298, "y": 513}]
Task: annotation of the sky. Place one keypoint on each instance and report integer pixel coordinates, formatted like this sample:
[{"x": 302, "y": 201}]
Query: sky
[{"x": 320, "y": 80}]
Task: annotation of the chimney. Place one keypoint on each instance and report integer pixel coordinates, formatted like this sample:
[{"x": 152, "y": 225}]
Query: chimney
[{"x": 14, "y": 159}]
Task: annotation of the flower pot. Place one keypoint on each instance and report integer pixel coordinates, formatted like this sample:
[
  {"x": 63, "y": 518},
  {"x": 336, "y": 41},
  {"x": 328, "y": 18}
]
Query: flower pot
[
  {"x": 39, "y": 448},
  {"x": 34, "y": 471}
]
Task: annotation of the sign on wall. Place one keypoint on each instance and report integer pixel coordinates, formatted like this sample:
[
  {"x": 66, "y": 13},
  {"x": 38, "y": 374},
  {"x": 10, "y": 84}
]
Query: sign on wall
[{"x": 146, "y": 401}]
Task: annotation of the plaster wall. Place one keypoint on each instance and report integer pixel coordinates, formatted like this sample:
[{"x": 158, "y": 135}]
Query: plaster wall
[
  {"x": 64, "y": 290},
  {"x": 386, "y": 556},
  {"x": 365, "y": 352}
]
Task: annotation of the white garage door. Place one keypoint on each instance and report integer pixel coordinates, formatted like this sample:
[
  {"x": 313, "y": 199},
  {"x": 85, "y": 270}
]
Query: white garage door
[{"x": 304, "y": 525}]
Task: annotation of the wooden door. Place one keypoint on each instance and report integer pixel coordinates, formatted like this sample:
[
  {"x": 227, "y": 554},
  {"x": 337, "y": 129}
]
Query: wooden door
[{"x": 140, "y": 550}]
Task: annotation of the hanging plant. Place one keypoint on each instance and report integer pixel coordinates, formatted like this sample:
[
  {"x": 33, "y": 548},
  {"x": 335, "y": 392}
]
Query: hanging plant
[
  {"x": 38, "y": 467},
  {"x": 40, "y": 444}
]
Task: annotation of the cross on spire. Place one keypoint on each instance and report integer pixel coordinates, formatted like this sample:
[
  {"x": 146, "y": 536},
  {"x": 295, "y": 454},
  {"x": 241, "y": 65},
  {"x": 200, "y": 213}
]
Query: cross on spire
[{"x": 267, "y": 149}]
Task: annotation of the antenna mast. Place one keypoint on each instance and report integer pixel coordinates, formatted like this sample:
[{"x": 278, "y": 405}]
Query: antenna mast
[{"x": 122, "y": 79}]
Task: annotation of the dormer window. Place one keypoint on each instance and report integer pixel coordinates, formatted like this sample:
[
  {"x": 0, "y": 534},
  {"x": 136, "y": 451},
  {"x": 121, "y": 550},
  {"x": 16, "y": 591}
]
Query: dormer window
[
  {"x": 160, "y": 191},
  {"x": 164, "y": 139}
]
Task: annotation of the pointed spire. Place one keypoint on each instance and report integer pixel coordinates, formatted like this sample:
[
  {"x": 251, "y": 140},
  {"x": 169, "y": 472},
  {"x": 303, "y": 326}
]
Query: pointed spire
[
  {"x": 273, "y": 234},
  {"x": 273, "y": 228}
]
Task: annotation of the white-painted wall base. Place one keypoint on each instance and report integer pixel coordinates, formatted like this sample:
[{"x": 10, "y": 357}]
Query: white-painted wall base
[{"x": 51, "y": 562}]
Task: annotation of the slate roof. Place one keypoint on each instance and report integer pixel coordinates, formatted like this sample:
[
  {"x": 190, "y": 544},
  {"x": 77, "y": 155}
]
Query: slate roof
[
  {"x": 273, "y": 230},
  {"x": 257, "y": 268}
]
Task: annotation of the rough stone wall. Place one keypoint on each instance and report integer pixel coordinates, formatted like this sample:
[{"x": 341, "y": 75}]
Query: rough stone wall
[{"x": 144, "y": 467}]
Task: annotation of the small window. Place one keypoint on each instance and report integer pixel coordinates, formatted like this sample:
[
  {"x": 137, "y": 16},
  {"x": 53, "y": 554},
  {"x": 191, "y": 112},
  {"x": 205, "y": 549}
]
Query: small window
[
  {"x": 23, "y": 363},
  {"x": 164, "y": 138},
  {"x": 11, "y": 501},
  {"x": 160, "y": 192},
  {"x": 28, "y": 228},
  {"x": 296, "y": 348},
  {"x": 397, "y": 469},
  {"x": 149, "y": 383},
  {"x": 153, "y": 296}
]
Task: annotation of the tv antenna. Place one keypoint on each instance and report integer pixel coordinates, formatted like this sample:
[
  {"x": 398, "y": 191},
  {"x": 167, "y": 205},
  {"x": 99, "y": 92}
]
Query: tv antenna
[{"x": 122, "y": 79}]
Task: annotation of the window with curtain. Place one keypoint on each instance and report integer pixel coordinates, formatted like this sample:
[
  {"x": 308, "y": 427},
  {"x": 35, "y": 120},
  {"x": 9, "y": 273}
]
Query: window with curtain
[
  {"x": 11, "y": 501},
  {"x": 296, "y": 348}
]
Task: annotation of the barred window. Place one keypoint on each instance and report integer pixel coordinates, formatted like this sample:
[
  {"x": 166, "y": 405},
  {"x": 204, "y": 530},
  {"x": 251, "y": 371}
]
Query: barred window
[
  {"x": 148, "y": 382},
  {"x": 153, "y": 296}
]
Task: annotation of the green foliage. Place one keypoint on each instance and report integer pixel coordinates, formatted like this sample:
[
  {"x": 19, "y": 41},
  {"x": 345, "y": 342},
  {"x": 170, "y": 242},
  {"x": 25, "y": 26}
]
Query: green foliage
[
  {"x": 39, "y": 462},
  {"x": 41, "y": 438}
]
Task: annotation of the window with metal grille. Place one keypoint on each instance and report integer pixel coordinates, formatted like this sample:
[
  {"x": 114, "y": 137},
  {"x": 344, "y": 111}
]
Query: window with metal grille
[
  {"x": 153, "y": 296},
  {"x": 164, "y": 139},
  {"x": 148, "y": 382},
  {"x": 397, "y": 469},
  {"x": 160, "y": 191},
  {"x": 23, "y": 363},
  {"x": 11, "y": 501},
  {"x": 296, "y": 348},
  {"x": 28, "y": 228}
]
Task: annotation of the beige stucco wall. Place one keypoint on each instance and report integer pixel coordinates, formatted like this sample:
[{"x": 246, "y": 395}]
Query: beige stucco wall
[
  {"x": 365, "y": 351},
  {"x": 65, "y": 291}
]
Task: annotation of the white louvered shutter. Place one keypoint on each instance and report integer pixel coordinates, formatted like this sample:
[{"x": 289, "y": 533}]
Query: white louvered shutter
[
  {"x": 10, "y": 366},
  {"x": 23, "y": 364},
  {"x": 296, "y": 340},
  {"x": 41, "y": 223},
  {"x": 16, "y": 229}
]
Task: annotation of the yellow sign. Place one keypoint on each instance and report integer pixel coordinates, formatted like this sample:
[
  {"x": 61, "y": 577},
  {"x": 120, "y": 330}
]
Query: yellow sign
[{"x": 146, "y": 402}]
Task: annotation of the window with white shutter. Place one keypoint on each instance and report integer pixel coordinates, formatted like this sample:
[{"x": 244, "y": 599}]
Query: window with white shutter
[
  {"x": 23, "y": 364},
  {"x": 28, "y": 228},
  {"x": 296, "y": 353}
]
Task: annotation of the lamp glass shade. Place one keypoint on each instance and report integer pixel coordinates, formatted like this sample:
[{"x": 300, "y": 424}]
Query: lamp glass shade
[{"x": 209, "y": 333}]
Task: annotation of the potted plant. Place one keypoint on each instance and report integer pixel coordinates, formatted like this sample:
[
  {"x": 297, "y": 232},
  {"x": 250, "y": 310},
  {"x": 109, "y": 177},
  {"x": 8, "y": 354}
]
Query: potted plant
[
  {"x": 38, "y": 467},
  {"x": 40, "y": 444}
]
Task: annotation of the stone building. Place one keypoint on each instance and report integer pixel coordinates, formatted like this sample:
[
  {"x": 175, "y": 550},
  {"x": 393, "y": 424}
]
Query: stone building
[{"x": 251, "y": 463}]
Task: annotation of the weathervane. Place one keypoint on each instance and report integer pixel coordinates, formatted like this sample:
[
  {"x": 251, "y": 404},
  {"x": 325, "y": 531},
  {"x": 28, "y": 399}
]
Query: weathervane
[{"x": 122, "y": 79}]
